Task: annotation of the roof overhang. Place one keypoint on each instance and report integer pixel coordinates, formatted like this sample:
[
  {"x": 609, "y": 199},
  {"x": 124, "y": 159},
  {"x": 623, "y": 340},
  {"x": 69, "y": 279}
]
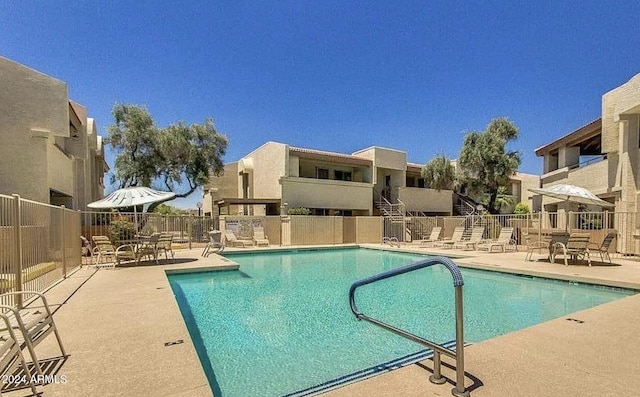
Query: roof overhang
[
  {"x": 580, "y": 135},
  {"x": 330, "y": 157},
  {"x": 225, "y": 202}
]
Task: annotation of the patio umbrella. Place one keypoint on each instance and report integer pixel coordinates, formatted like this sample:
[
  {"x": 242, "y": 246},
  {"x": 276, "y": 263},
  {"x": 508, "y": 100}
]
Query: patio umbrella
[
  {"x": 571, "y": 193},
  {"x": 132, "y": 197}
]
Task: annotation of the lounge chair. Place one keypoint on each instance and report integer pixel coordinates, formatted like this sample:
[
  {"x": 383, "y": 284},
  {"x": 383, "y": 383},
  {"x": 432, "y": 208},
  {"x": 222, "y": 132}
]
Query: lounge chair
[
  {"x": 258, "y": 236},
  {"x": 503, "y": 241},
  {"x": 576, "y": 247},
  {"x": 534, "y": 245},
  {"x": 456, "y": 237},
  {"x": 476, "y": 236},
  {"x": 231, "y": 239},
  {"x": 11, "y": 357},
  {"x": 34, "y": 321},
  {"x": 603, "y": 248},
  {"x": 103, "y": 250},
  {"x": 433, "y": 237},
  {"x": 214, "y": 245},
  {"x": 391, "y": 241}
]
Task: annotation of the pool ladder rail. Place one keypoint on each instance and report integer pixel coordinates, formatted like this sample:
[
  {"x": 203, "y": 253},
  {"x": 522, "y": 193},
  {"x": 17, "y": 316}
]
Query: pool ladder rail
[{"x": 457, "y": 354}]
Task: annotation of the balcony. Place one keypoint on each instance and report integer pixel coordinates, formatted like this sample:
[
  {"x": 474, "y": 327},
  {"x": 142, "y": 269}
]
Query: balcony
[
  {"x": 425, "y": 200},
  {"x": 596, "y": 177},
  {"x": 326, "y": 193}
]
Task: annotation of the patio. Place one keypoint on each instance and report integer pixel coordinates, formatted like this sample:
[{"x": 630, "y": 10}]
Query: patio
[{"x": 116, "y": 338}]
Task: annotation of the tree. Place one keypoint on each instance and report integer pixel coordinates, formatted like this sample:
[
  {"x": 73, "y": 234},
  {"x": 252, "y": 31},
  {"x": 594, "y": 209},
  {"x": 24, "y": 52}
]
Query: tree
[
  {"x": 484, "y": 163},
  {"x": 166, "y": 209},
  {"x": 439, "y": 174},
  {"x": 180, "y": 154}
]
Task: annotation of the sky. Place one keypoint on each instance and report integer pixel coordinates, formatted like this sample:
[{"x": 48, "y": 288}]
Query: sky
[{"x": 336, "y": 75}]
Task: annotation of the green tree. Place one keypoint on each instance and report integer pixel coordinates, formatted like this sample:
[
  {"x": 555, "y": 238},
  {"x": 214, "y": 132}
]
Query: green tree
[
  {"x": 485, "y": 164},
  {"x": 521, "y": 208},
  {"x": 166, "y": 209},
  {"x": 439, "y": 174},
  {"x": 172, "y": 158}
]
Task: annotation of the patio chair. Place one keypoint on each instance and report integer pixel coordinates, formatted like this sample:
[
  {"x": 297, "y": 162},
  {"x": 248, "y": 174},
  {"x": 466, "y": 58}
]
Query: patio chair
[
  {"x": 534, "y": 245},
  {"x": 576, "y": 247},
  {"x": 476, "y": 236},
  {"x": 214, "y": 245},
  {"x": 258, "y": 236},
  {"x": 103, "y": 250},
  {"x": 11, "y": 357},
  {"x": 433, "y": 237},
  {"x": 136, "y": 252},
  {"x": 35, "y": 322},
  {"x": 231, "y": 239},
  {"x": 456, "y": 237},
  {"x": 164, "y": 244},
  {"x": 603, "y": 248},
  {"x": 503, "y": 241}
]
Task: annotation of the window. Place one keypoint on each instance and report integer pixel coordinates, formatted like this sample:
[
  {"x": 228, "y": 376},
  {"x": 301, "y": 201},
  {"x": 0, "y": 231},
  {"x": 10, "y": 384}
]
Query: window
[
  {"x": 410, "y": 182},
  {"x": 421, "y": 183},
  {"x": 342, "y": 175},
  {"x": 322, "y": 173}
]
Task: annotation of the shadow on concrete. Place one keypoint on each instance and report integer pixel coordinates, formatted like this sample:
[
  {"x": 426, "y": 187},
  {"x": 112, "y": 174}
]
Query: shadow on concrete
[{"x": 477, "y": 383}]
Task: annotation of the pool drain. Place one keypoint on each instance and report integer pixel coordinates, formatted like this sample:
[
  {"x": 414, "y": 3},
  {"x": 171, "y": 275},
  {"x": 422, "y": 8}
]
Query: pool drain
[
  {"x": 177, "y": 342},
  {"x": 575, "y": 320}
]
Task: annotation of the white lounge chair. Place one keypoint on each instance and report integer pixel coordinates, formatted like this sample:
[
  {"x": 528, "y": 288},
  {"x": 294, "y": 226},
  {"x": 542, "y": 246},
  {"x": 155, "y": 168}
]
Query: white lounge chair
[
  {"x": 456, "y": 237},
  {"x": 476, "y": 236},
  {"x": 433, "y": 237},
  {"x": 214, "y": 245},
  {"x": 11, "y": 357},
  {"x": 258, "y": 236},
  {"x": 231, "y": 239},
  {"x": 503, "y": 241},
  {"x": 34, "y": 321}
]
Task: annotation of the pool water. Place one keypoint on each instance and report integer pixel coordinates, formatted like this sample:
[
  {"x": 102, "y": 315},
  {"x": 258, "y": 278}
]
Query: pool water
[{"x": 282, "y": 323}]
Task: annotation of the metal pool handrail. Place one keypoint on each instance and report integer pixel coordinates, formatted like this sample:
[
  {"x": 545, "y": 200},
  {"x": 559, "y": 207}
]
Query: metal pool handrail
[{"x": 458, "y": 354}]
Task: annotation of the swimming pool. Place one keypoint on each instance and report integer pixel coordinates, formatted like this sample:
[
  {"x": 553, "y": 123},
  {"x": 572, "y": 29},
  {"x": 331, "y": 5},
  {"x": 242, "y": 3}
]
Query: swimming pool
[{"x": 282, "y": 323}]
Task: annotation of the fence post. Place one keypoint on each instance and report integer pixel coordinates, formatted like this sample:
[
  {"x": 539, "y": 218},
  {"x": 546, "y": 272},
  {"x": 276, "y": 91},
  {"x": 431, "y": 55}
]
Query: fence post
[
  {"x": 190, "y": 228},
  {"x": 63, "y": 242},
  {"x": 17, "y": 248}
]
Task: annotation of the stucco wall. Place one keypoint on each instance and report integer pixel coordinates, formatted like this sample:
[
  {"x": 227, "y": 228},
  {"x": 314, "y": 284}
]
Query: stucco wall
[
  {"x": 426, "y": 200},
  {"x": 270, "y": 162},
  {"x": 322, "y": 193}
]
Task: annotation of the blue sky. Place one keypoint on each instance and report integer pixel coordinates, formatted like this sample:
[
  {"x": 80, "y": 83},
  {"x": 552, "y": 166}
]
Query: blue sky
[{"x": 335, "y": 75}]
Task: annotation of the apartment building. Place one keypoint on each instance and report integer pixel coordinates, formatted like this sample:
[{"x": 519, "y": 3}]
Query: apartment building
[
  {"x": 277, "y": 177},
  {"x": 603, "y": 155},
  {"x": 50, "y": 149}
]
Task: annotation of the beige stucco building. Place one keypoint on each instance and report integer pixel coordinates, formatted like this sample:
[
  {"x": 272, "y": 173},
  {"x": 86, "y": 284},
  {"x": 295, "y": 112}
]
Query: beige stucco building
[
  {"x": 603, "y": 155},
  {"x": 276, "y": 177},
  {"x": 50, "y": 149}
]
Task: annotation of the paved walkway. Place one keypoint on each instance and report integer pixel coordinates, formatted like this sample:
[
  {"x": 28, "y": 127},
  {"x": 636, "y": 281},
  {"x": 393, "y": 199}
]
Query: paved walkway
[{"x": 115, "y": 324}]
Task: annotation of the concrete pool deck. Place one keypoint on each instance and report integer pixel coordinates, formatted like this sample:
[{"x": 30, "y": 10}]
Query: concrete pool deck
[{"x": 114, "y": 324}]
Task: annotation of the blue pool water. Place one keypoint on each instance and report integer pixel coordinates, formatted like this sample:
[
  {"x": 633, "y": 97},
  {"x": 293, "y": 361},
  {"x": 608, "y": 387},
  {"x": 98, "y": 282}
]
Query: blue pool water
[{"x": 283, "y": 324}]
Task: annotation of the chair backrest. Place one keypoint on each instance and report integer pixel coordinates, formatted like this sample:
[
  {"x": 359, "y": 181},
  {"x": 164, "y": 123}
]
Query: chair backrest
[
  {"x": 607, "y": 242},
  {"x": 578, "y": 241},
  {"x": 165, "y": 240},
  {"x": 458, "y": 232},
  {"x": 229, "y": 235},
  {"x": 505, "y": 234},
  {"x": 435, "y": 233},
  {"x": 258, "y": 233},
  {"x": 103, "y": 244},
  {"x": 215, "y": 237},
  {"x": 476, "y": 233}
]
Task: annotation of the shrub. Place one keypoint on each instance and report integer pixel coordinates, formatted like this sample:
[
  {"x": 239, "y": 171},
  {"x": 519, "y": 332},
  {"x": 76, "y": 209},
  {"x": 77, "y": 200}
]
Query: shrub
[
  {"x": 521, "y": 208},
  {"x": 299, "y": 211},
  {"x": 121, "y": 230}
]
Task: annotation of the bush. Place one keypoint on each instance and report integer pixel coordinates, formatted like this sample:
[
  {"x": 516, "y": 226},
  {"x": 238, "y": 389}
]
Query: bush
[
  {"x": 299, "y": 211},
  {"x": 521, "y": 208},
  {"x": 121, "y": 230}
]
